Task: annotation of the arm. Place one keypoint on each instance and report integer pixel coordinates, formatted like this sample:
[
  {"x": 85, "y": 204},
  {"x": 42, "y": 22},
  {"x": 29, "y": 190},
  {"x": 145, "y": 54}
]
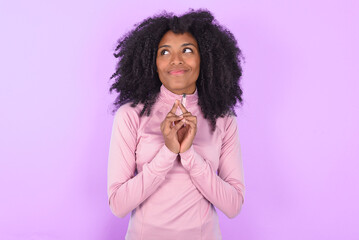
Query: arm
[
  {"x": 125, "y": 190},
  {"x": 226, "y": 190}
]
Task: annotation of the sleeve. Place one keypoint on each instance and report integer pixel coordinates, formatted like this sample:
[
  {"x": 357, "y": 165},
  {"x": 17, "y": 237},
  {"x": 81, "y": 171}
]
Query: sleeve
[
  {"x": 227, "y": 189},
  {"x": 126, "y": 190}
]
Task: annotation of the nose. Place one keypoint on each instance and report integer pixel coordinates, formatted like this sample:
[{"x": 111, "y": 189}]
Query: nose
[{"x": 176, "y": 59}]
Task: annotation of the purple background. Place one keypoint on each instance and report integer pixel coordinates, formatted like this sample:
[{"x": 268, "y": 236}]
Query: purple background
[{"x": 298, "y": 128}]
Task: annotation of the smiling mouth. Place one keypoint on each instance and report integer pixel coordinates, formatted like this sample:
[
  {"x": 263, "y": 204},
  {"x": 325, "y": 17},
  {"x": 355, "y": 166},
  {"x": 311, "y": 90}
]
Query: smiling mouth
[{"x": 177, "y": 72}]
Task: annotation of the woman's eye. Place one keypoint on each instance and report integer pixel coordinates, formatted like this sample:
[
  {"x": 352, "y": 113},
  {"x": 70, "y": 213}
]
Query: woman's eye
[
  {"x": 187, "y": 50},
  {"x": 163, "y": 52}
]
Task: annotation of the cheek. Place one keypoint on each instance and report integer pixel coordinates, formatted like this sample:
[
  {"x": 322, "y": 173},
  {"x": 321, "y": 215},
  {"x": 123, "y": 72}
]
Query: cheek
[
  {"x": 195, "y": 66},
  {"x": 194, "y": 63},
  {"x": 160, "y": 64}
]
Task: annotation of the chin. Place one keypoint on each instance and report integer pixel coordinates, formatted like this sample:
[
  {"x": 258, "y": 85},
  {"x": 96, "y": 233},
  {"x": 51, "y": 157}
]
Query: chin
[
  {"x": 177, "y": 83},
  {"x": 178, "y": 86}
]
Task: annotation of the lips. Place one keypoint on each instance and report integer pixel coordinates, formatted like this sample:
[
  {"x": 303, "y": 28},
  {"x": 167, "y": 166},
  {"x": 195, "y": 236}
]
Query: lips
[{"x": 177, "y": 71}]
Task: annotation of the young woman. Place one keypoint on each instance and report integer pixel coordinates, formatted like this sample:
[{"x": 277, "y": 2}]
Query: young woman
[{"x": 174, "y": 151}]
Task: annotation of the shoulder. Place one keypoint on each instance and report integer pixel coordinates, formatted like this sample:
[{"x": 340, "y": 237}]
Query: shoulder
[
  {"x": 128, "y": 115},
  {"x": 226, "y": 122},
  {"x": 227, "y": 125},
  {"x": 127, "y": 110},
  {"x": 231, "y": 122}
]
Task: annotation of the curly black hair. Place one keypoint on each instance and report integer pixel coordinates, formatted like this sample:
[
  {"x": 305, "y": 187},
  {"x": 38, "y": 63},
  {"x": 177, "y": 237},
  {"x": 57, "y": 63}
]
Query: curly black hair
[{"x": 136, "y": 78}]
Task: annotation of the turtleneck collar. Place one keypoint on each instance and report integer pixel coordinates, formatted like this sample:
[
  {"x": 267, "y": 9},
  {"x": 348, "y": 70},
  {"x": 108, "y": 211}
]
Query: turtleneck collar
[{"x": 170, "y": 97}]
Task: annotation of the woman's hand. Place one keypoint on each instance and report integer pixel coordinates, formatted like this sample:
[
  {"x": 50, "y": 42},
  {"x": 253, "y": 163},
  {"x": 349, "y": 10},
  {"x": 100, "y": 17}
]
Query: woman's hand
[
  {"x": 169, "y": 131},
  {"x": 187, "y": 133}
]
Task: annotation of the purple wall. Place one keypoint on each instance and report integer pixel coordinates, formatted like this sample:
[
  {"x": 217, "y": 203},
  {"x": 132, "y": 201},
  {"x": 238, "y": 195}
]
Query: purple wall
[{"x": 299, "y": 125}]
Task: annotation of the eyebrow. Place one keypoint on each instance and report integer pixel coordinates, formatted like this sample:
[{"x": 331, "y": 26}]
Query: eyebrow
[{"x": 183, "y": 45}]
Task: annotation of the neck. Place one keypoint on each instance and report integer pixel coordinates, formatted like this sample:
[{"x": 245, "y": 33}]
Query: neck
[
  {"x": 170, "y": 97},
  {"x": 183, "y": 91}
]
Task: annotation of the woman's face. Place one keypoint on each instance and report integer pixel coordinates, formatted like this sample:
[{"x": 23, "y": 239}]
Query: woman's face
[{"x": 178, "y": 62}]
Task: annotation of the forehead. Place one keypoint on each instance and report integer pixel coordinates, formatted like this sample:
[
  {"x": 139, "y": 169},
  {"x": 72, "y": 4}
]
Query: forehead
[{"x": 171, "y": 38}]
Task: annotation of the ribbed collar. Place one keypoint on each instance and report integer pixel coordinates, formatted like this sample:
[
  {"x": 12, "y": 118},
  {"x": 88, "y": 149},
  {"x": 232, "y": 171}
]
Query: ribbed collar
[{"x": 170, "y": 97}]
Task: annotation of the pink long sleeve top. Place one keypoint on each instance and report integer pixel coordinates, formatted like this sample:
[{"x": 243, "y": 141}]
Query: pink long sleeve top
[{"x": 170, "y": 195}]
